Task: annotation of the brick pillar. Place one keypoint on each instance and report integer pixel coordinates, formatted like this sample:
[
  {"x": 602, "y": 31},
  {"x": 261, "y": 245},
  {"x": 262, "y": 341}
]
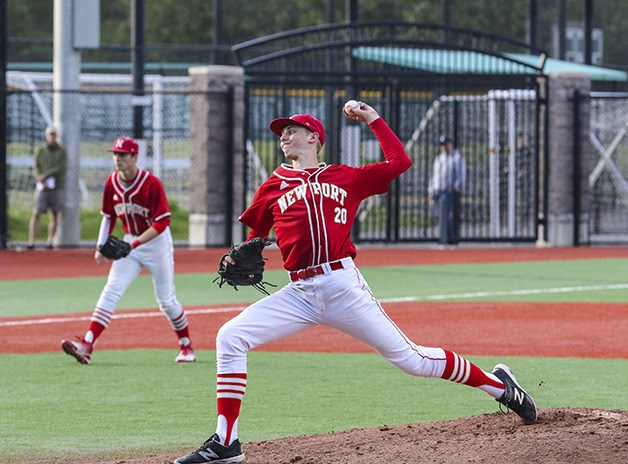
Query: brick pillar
[
  {"x": 560, "y": 145},
  {"x": 217, "y": 133}
]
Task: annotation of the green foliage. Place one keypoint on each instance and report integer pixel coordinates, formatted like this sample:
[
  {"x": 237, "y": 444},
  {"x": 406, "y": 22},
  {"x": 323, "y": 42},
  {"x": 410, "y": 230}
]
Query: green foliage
[
  {"x": 29, "y": 19},
  {"x": 193, "y": 26},
  {"x": 192, "y": 21},
  {"x": 90, "y": 224},
  {"x": 179, "y": 221},
  {"x": 18, "y": 225}
]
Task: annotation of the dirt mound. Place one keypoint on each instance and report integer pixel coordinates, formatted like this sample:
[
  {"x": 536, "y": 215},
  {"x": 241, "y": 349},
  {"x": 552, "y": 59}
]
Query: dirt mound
[{"x": 560, "y": 436}]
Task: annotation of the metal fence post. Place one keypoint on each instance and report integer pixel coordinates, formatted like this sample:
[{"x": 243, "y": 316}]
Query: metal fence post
[{"x": 576, "y": 167}]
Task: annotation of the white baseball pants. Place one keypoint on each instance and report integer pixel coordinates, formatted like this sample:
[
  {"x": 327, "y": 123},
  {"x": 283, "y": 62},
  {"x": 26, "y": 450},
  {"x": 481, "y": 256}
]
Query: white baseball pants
[{"x": 341, "y": 299}]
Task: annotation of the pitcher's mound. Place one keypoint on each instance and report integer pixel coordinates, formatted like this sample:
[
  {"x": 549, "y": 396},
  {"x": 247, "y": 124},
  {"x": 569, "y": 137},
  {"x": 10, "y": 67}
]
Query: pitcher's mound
[
  {"x": 560, "y": 436},
  {"x": 568, "y": 435}
]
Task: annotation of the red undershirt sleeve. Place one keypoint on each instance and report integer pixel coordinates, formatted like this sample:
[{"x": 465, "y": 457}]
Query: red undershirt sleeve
[{"x": 161, "y": 225}]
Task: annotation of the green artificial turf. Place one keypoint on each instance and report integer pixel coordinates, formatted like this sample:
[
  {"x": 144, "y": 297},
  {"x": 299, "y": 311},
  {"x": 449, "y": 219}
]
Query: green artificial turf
[
  {"x": 139, "y": 402},
  {"x": 601, "y": 280}
]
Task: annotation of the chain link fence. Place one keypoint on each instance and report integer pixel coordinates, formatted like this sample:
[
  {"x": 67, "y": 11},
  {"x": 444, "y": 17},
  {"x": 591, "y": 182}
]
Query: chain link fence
[
  {"x": 608, "y": 177},
  {"x": 495, "y": 130},
  {"x": 106, "y": 113}
]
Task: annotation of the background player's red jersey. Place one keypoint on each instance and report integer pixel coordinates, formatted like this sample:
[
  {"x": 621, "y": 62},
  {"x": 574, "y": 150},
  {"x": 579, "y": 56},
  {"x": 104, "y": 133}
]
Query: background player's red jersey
[{"x": 138, "y": 204}]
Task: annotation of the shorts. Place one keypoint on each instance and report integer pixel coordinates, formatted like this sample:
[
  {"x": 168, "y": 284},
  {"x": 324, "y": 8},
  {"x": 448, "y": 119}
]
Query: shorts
[{"x": 48, "y": 200}]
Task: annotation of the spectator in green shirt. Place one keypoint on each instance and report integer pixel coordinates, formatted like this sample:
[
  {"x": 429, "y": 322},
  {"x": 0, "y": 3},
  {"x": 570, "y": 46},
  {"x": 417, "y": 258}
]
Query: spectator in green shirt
[{"x": 49, "y": 171}]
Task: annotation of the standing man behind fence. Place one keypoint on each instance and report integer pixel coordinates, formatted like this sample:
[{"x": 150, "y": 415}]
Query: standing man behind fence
[
  {"x": 49, "y": 172},
  {"x": 448, "y": 177}
]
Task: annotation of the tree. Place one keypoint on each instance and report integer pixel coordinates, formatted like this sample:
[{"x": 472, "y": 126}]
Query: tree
[{"x": 191, "y": 22}]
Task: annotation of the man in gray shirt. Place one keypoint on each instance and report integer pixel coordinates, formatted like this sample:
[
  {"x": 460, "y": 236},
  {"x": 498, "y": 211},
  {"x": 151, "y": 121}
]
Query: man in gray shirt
[{"x": 448, "y": 176}]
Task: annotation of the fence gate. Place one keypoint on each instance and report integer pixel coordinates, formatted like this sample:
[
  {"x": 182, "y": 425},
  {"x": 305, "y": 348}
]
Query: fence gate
[
  {"x": 425, "y": 81},
  {"x": 607, "y": 178}
]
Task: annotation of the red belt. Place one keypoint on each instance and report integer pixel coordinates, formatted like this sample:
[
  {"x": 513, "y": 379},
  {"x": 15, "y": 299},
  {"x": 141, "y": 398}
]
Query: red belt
[{"x": 312, "y": 271}]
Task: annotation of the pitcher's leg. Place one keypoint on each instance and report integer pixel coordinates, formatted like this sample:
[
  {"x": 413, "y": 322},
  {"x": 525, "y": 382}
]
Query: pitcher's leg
[
  {"x": 358, "y": 313},
  {"x": 277, "y": 316},
  {"x": 272, "y": 318}
]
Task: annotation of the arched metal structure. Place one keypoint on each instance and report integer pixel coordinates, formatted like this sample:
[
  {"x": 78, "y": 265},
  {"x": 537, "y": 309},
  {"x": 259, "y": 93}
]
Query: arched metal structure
[{"x": 333, "y": 50}]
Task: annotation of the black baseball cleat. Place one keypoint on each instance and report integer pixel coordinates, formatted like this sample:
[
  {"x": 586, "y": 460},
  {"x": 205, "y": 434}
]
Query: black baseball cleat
[
  {"x": 212, "y": 451},
  {"x": 515, "y": 398}
]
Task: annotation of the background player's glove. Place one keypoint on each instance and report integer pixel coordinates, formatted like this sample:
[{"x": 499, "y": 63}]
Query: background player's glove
[
  {"x": 114, "y": 248},
  {"x": 248, "y": 269}
]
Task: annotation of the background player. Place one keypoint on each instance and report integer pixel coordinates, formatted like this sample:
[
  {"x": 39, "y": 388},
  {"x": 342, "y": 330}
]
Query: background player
[
  {"x": 311, "y": 206},
  {"x": 137, "y": 197}
]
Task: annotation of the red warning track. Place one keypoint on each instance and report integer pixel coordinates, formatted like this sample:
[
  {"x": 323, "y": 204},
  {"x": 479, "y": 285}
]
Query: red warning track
[{"x": 45, "y": 264}]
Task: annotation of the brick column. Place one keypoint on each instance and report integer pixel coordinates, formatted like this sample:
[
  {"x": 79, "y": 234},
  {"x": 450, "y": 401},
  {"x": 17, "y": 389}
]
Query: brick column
[
  {"x": 562, "y": 137},
  {"x": 217, "y": 133}
]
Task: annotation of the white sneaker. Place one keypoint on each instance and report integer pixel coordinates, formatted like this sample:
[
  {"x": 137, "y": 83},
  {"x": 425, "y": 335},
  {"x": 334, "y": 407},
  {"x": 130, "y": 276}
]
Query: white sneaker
[{"x": 186, "y": 355}]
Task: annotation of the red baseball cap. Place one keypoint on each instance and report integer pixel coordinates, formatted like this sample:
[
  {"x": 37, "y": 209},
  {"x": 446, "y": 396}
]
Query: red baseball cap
[
  {"x": 306, "y": 120},
  {"x": 125, "y": 145}
]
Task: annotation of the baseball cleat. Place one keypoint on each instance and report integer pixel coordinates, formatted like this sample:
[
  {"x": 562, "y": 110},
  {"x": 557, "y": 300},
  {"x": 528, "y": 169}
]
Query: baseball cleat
[
  {"x": 186, "y": 355},
  {"x": 212, "y": 451},
  {"x": 80, "y": 349},
  {"x": 515, "y": 398}
]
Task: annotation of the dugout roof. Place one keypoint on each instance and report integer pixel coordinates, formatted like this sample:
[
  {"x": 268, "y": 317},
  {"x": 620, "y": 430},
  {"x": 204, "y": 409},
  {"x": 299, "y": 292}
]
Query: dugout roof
[{"x": 441, "y": 61}]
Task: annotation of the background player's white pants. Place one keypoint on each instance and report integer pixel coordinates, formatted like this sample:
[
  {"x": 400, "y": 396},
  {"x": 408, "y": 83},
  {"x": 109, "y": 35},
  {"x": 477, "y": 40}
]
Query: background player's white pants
[
  {"x": 157, "y": 256},
  {"x": 341, "y": 299}
]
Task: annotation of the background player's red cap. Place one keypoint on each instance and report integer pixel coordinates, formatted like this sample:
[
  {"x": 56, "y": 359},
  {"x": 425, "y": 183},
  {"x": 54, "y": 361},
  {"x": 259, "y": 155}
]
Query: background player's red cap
[
  {"x": 306, "y": 120},
  {"x": 125, "y": 145}
]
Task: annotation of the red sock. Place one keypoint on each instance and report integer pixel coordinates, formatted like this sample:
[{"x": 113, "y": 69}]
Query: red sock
[
  {"x": 96, "y": 329},
  {"x": 460, "y": 370},
  {"x": 183, "y": 333},
  {"x": 230, "y": 390}
]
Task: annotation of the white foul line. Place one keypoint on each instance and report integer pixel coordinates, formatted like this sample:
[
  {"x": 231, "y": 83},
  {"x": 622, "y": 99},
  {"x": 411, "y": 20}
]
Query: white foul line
[
  {"x": 230, "y": 309},
  {"x": 533, "y": 291},
  {"x": 53, "y": 320}
]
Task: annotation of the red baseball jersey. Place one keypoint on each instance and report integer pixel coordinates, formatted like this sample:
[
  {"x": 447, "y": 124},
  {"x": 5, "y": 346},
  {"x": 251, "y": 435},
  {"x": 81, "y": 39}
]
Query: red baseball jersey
[
  {"x": 313, "y": 210},
  {"x": 138, "y": 205}
]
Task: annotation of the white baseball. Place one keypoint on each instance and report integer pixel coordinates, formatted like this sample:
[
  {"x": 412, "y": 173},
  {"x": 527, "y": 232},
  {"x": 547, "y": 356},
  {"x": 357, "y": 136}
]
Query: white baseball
[{"x": 352, "y": 104}]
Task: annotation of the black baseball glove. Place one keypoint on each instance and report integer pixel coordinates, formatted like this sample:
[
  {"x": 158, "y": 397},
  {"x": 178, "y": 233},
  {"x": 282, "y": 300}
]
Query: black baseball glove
[
  {"x": 114, "y": 248},
  {"x": 248, "y": 269}
]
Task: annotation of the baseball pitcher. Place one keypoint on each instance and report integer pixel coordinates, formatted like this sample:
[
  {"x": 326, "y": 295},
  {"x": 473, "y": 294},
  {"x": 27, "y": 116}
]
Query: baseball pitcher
[{"x": 311, "y": 206}]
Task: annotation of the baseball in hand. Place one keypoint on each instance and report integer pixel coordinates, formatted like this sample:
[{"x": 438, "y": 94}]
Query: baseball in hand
[{"x": 349, "y": 106}]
